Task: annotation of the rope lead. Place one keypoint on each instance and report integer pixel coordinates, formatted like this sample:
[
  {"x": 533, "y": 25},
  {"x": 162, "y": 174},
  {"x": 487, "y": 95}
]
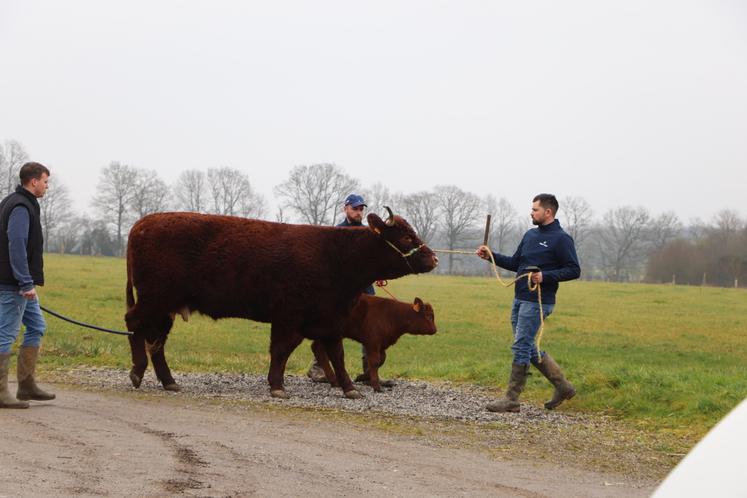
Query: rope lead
[{"x": 532, "y": 288}]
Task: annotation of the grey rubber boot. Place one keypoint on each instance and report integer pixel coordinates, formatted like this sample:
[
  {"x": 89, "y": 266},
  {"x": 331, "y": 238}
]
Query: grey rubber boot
[
  {"x": 27, "y": 388},
  {"x": 516, "y": 384},
  {"x": 316, "y": 373},
  {"x": 7, "y": 400},
  {"x": 563, "y": 389}
]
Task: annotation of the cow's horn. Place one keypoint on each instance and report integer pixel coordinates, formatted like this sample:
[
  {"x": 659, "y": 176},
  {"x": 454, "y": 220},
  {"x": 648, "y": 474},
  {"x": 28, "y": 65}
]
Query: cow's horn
[{"x": 390, "y": 220}]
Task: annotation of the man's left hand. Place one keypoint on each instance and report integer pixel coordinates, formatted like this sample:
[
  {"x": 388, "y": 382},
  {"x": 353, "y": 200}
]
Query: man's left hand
[
  {"x": 29, "y": 294},
  {"x": 537, "y": 277}
]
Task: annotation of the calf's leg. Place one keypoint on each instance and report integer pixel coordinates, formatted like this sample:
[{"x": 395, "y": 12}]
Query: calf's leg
[{"x": 374, "y": 360}]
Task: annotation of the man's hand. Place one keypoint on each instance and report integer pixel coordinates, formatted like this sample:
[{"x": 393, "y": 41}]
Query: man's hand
[
  {"x": 483, "y": 252},
  {"x": 537, "y": 277},
  {"x": 29, "y": 294}
]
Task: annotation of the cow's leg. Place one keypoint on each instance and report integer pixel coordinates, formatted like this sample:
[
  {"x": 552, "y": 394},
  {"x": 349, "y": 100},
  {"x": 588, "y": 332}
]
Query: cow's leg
[
  {"x": 283, "y": 340},
  {"x": 139, "y": 359},
  {"x": 337, "y": 356},
  {"x": 158, "y": 356},
  {"x": 323, "y": 361}
]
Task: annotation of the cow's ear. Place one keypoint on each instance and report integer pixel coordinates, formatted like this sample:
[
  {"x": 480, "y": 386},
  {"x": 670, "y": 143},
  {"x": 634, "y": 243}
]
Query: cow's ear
[
  {"x": 375, "y": 223},
  {"x": 417, "y": 304}
]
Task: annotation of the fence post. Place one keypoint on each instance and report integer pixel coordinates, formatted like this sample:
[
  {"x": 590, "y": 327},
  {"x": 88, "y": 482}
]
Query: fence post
[{"x": 674, "y": 279}]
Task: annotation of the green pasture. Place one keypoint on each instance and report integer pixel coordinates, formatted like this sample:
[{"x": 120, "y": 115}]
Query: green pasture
[{"x": 666, "y": 358}]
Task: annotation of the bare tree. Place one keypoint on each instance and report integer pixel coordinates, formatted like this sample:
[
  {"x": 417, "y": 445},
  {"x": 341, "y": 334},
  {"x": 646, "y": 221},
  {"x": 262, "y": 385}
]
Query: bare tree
[
  {"x": 317, "y": 192},
  {"x": 96, "y": 240},
  {"x": 12, "y": 157},
  {"x": 727, "y": 222},
  {"x": 149, "y": 195},
  {"x": 621, "y": 239},
  {"x": 697, "y": 229},
  {"x": 280, "y": 215},
  {"x": 663, "y": 229},
  {"x": 503, "y": 221},
  {"x": 69, "y": 234},
  {"x": 230, "y": 193},
  {"x": 252, "y": 205},
  {"x": 191, "y": 191},
  {"x": 115, "y": 191},
  {"x": 420, "y": 210},
  {"x": 577, "y": 216},
  {"x": 379, "y": 196},
  {"x": 458, "y": 212},
  {"x": 56, "y": 207}
]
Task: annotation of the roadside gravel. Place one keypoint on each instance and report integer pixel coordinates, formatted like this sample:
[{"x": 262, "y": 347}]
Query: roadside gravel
[{"x": 407, "y": 398}]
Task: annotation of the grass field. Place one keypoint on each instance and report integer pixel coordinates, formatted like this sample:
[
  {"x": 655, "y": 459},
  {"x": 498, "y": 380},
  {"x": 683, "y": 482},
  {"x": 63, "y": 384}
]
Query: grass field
[{"x": 663, "y": 358}]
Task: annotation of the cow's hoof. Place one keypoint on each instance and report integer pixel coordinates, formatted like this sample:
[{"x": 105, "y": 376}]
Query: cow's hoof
[
  {"x": 279, "y": 393},
  {"x": 174, "y": 387},
  {"x": 353, "y": 394},
  {"x": 135, "y": 379}
]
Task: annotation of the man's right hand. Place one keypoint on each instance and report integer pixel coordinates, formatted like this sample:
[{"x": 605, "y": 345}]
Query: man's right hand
[
  {"x": 29, "y": 294},
  {"x": 483, "y": 252}
]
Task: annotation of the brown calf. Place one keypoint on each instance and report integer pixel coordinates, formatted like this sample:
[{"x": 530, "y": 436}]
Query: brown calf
[{"x": 378, "y": 323}]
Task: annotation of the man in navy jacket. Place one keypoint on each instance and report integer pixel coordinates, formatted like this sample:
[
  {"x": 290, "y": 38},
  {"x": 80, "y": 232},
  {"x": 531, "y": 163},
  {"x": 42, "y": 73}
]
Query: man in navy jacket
[{"x": 549, "y": 248}]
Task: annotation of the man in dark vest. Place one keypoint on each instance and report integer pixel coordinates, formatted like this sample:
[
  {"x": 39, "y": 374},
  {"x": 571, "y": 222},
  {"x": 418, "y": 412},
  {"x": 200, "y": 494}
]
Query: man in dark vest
[{"x": 21, "y": 270}]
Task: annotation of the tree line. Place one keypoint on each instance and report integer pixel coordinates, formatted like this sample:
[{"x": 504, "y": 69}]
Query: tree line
[{"x": 628, "y": 243}]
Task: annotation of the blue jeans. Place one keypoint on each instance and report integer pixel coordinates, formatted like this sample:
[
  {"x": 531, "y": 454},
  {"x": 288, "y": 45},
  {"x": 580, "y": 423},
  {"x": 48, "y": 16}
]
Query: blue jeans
[
  {"x": 14, "y": 310},
  {"x": 525, "y": 322}
]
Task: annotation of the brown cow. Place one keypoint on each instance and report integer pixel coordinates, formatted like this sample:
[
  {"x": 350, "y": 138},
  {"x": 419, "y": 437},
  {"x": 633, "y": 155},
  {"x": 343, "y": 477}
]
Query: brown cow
[
  {"x": 378, "y": 323},
  {"x": 302, "y": 279}
]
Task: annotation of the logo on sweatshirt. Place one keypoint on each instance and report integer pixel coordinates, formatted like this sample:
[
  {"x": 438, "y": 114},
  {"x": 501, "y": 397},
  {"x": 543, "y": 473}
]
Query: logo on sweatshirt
[{"x": 543, "y": 243}]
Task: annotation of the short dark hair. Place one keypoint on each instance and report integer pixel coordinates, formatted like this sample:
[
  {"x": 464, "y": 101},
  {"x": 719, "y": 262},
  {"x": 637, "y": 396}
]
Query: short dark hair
[
  {"x": 547, "y": 201},
  {"x": 29, "y": 171}
]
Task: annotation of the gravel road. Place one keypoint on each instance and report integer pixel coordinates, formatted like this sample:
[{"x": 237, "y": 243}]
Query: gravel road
[{"x": 224, "y": 436}]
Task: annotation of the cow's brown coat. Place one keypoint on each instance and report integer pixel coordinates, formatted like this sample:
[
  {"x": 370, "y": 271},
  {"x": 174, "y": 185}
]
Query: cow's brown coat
[{"x": 302, "y": 279}]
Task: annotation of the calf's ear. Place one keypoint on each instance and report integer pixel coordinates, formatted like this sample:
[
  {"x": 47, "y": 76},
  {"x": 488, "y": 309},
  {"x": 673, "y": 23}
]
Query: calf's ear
[
  {"x": 417, "y": 304},
  {"x": 375, "y": 223}
]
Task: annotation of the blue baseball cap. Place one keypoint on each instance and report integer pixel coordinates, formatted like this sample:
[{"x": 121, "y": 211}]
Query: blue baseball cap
[{"x": 355, "y": 200}]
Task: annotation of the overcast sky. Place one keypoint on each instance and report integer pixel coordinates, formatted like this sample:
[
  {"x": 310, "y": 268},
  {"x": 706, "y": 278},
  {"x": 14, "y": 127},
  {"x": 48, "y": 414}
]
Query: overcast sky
[{"x": 635, "y": 103}]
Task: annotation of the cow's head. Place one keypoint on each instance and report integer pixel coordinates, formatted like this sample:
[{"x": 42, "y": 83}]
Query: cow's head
[
  {"x": 426, "y": 322},
  {"x": 403, "y": 242}
]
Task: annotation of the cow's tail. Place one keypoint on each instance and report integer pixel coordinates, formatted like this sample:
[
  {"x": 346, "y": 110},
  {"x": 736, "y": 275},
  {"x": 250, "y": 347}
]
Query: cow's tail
[{"x": 129, "y": 293}]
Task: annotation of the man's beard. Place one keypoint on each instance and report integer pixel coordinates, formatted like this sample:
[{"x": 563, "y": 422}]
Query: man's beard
[{"x": 535, "y": 222}]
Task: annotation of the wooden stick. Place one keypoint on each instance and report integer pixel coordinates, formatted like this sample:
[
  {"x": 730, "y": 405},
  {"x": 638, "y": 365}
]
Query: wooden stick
[{"x": 487, "y": 231}]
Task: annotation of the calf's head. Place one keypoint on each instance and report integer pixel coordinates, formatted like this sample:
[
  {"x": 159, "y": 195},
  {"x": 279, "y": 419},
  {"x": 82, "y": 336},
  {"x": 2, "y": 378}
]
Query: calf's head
[
  {"x": 425, "y": 323},
  {"x": 403, "y": 242}
]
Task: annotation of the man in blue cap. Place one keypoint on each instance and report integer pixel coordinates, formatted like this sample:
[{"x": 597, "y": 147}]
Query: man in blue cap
[{"x": 353, "y": 209}]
